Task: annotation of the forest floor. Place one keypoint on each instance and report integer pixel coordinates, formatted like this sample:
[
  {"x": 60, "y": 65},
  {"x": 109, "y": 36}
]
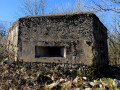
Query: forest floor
[{"x": 17, "y": 76}]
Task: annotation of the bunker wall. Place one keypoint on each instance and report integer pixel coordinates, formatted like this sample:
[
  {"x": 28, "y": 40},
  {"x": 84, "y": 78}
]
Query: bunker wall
[
  {"x": 72, "y": 32},
  {"x": 12, "y": 41},
  {"x": 100, "y": 44}
]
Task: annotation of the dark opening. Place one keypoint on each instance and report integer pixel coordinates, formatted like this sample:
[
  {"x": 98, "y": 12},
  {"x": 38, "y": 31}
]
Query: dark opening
[{"x": 49, "y": 51}]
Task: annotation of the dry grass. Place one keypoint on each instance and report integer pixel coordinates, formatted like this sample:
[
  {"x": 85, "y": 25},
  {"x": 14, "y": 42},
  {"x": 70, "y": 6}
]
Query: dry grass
[{"x": 3, "y": 48}]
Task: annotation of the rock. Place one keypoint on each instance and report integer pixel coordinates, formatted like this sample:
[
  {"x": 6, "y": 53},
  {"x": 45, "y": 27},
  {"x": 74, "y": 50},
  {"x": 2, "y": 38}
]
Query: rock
[
  {"x": 92, "y": 84},
  {"x": 88, "y": 88},
  {"x": 9, "y": 89},
  {"x": 76, "y": 89},
  {"x": 1, "y": 88},
  {"x": 76, "y": 80},
  {"x": 1, "y": 62},
  {"x": 62, "y": 80},
  {"x": 116, "y": 82},
  {"x": 5, "y": 67},
  {"x": 53, "y": 85},
  {"x": 103, "y": 83},
  {"x": 6, "y": 72},
  {"x": 84, "y": 78},
  {"x": 95, "y": 81},
  {"x": 22, "y": 69},
  {"x": 100, "y": 86},
  {"x": 52, "y": 78},
  {"x": 68, "y": 84},
  {"x": 86, "y": 85},
  {"x": 74, "y": 66}
]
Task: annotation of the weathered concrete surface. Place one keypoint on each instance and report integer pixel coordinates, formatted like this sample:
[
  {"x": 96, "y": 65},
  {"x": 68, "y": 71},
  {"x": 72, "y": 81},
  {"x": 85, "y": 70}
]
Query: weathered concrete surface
[{"x": 82, "y": 34}]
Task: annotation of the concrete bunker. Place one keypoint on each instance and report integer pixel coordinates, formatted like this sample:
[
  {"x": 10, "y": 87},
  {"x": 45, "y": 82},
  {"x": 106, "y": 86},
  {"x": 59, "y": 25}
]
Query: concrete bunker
[{"x": 60, "y": 38}]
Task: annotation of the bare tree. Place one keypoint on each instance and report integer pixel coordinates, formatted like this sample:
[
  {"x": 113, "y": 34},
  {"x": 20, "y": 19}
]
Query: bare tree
[
  {"x": 2, "y": 30},
  {"x": 33, "y": 7},
  {"x": 113, "y": 6},
  {"x": 64, "y": 8},
  {"x": 3, "y": 50},
  {"x": 78, "y": 6},
  {"x": 103, "y": 8},
  {"x": 106, "y": 5},
  {"x": 114, "y": 42},
  {"x": 2, "y": 34}
]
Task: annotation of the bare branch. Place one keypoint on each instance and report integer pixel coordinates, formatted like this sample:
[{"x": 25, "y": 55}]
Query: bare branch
[
  {"x": 2, "y": 30},
  {"x": 116, "y": 1},
  {"x": 33, "y": 7},
  {"x": 108, "y": 5}
]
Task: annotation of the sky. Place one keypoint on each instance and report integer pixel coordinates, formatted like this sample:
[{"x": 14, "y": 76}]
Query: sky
[{"x": 10, "y": 9}]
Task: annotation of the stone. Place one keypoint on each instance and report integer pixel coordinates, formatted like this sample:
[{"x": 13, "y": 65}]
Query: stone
[
  {"x": 84, "y": 83},
  {"x": 88, "y": 88},
  {"x": 76, "y": 80},
  {"x": 68, "y": 84},
  {"x": 6, "y": 72},
  {"x": 92, "y": 84},
  {"x": 1, "y": 88},
  {"x": 116, "y": 82},
  {"x": 76, "y": 89},
  {"x": 6, "y": 59},
  {"x": 95, "y": 81},
  {"x": 100, "y": 86},
  {"x": 1, "y": 62},
  {"x": 53, "y": 78},
  {"x": 22, "y": 69},
  {"x": 84, "y": 78},
  {"x": 74, "y": 66},
  {"x": 53, "y": 85},
  {"x": 62, "y": 80}
]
